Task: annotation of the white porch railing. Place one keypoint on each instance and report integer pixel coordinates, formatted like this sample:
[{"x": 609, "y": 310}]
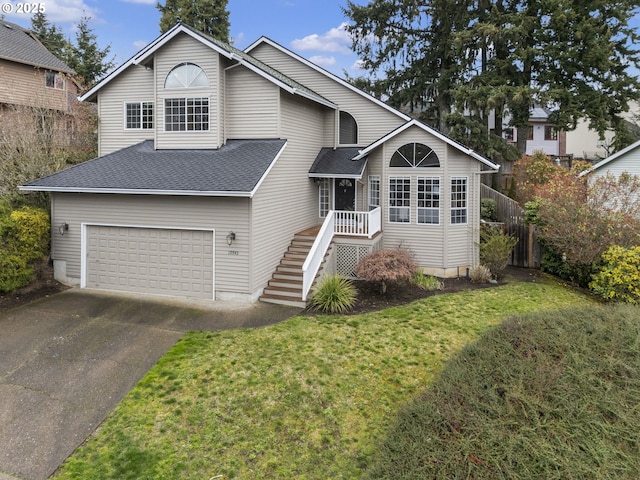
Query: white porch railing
[{"x": 337, "y": 222}]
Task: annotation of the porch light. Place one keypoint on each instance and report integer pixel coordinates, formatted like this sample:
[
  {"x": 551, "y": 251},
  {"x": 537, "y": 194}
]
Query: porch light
[
  {"x": 231, "y": 236},
  {"x": 63, "y": 227}
]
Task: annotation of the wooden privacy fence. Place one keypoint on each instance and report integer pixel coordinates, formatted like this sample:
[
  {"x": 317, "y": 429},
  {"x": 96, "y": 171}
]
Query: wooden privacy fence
[{"x": 510, "y": 214}]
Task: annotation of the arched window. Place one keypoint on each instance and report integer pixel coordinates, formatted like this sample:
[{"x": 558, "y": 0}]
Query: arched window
[
  {"x": 186, "y": 75},
  {"x": 414, "y": 155},
  {"x": 348, "y": 129}
]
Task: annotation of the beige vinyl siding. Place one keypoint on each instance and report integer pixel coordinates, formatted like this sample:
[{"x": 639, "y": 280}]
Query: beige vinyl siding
[
  {"x": 251, "y": 105},
  {"x": 182, "y": 49},
  {"x": 443, "y": 246},
  {"x": 216, "y": 213},
  {"x": 133, "y": 85},
  {"x": 25, "y": 85},
  {"x": 287, "y": 201},
  {"x": 373, "y": 120}
]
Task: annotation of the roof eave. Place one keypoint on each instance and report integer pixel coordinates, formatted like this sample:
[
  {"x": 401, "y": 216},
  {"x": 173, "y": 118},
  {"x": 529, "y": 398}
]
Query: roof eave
[{"x": 128, "y": 191}]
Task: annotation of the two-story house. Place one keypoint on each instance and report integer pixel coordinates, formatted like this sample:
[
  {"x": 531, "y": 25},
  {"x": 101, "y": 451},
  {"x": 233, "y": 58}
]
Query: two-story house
[
  {"x": 31, "y": 75},
  {"x": 228, "y": 174}
]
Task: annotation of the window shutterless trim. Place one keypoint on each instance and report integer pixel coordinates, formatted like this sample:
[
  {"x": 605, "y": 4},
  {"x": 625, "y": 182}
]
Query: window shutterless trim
[
  {"x": 429, "y": 195},
  {"x": 186, "y": 114},
  {"x": 144, "y": 116},
  {"x": 399, "y": 199},
  {"x": 459, "y": 198}
]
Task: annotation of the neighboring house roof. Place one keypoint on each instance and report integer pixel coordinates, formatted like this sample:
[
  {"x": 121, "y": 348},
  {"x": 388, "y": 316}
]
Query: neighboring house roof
[
  {"x": 20, "y": 45},
  {"x": 236, "y": 169},
  {"x": 327, "y": 74},
  {"x": 416, "y": 123},
  {"x": 223, "y": 49},
  {"x": 611, "y": 158},
  {"x": 338, "y": 163}
]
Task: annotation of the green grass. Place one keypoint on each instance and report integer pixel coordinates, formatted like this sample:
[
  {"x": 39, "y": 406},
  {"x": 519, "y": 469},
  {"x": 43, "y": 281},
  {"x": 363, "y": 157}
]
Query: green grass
[{"x": 309, "y": 398}]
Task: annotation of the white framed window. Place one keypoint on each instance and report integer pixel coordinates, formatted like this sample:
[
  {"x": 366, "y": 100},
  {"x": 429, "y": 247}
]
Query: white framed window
[
  {"x": 458, "y": 200},
  {"x": 138, "y": 115},
  {"x": 399, "y": 199},
  {"x": 414, "y": 155},
  {"x": 54, "y": 80},
  {"x": 323, "y": 197},
  {"x": 186, "y": 75},
  {"x": 186, "y": 114},
  {"x": 374, "y": 191},
  {"x": 428, "y": 208}
]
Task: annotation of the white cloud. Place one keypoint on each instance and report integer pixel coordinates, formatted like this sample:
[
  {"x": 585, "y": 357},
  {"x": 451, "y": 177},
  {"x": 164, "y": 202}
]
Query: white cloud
[
  {"x": 140, "y": 44},
  {"x": 323, "y": 61},
  {"x": 336, "y": 40},
  {"x": 238, "y": 40},
  {"x": 357, "y": 65}
]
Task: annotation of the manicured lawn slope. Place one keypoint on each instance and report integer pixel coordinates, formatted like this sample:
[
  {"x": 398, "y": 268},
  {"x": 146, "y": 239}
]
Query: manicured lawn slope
[
  {"x": 311, "y": 397},
  {"x": 541, "y": 396}
]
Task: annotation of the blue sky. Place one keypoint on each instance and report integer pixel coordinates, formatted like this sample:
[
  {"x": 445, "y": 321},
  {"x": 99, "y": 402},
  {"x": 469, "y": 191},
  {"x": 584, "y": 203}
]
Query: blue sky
[{"x": 312, "y": 28}]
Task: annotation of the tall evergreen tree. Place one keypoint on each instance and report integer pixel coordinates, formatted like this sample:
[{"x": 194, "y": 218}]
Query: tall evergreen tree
[
  {"x": 50, "y": 35},
  {"x": 208, "y": 16},
  {"x": 505, "y": 56},
  {"x": 87, "y": 59}
]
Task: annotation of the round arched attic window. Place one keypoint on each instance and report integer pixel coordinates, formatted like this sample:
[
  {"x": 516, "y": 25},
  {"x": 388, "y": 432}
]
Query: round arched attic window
[
  {"x": 414, "y": 155},
  {"x": 186, "y": 75}
]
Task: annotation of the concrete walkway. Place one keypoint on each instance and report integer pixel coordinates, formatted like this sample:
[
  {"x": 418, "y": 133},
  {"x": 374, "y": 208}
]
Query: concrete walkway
[{"x": 67, "y": 360}]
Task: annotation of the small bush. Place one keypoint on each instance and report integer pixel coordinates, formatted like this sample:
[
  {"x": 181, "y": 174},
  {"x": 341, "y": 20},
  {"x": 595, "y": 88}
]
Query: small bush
[
  {"x": 14, "y": 272},
  {"x": 619, "y": 276},
  {"x": 334, "y": 294},
  {"x": 495, "y": 249},
  {"x": 28, "y": 233},
  {"x": 426, "y": 282},
  {"x": 480, "y": 274},
  {"x": 387, "y": 266},
  {"x": 488, "y": 209}
]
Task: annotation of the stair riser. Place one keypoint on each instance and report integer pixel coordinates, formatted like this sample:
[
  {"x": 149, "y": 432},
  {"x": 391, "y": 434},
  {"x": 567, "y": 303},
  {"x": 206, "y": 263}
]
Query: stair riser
[
  {"x": 275, "y": 282},
  {"x": 283, "y": 293}
]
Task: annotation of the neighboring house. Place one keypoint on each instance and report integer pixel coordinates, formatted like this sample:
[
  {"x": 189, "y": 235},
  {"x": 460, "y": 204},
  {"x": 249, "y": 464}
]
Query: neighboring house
[
  {"x": 542, "y": 135},
  {"x": 626, "y": 160},
  {"x": 219, "y": 169},
  {"x": 31, "y": 75}
]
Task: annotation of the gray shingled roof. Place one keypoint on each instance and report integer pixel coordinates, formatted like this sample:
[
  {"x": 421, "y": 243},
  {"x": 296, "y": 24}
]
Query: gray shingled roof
[
  {"x": 336, "y": 162},
  {"x": 18, "y": 44},
  {"x": 236, "y": 168}
]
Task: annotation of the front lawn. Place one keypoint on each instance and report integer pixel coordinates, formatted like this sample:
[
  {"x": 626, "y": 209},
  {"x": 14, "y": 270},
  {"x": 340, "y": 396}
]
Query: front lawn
[{"x": 311, "y": 397}]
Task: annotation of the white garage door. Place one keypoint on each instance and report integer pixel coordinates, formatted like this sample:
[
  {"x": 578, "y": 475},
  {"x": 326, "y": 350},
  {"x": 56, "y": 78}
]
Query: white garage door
[{"x": 150, "y": 260}]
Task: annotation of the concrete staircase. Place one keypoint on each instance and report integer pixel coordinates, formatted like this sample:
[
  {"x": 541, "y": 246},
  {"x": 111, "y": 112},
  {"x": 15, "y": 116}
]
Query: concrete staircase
[{"x": 285, "y": 286}]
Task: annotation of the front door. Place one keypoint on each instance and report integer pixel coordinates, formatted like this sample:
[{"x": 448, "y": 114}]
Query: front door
[{"x": 345, "y": 194}]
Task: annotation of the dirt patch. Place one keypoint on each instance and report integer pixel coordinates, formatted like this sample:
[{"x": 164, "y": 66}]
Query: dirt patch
[{"x": 42, "y": 287}]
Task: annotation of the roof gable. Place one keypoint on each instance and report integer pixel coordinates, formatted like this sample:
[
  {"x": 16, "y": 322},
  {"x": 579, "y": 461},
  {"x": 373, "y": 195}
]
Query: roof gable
[
  {"x": 221, "y": 48},
  {"x": 448, "y": 140},
  {"x": 20, "y": 45},
  {"x": 331, "y": 76},
  {"x": 611, "y": 158}
]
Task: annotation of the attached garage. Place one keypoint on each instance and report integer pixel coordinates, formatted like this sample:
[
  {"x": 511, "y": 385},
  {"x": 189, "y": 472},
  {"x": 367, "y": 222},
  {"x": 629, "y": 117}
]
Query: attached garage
[{"x": 161, "y": 261}]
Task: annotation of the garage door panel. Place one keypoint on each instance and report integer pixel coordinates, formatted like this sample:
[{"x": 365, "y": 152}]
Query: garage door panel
[{"x": 148, "y": 260}]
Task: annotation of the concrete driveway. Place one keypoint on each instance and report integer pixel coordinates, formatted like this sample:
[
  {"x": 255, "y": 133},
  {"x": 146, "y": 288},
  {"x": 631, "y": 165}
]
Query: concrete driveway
[{"x": 67, "y": 360}]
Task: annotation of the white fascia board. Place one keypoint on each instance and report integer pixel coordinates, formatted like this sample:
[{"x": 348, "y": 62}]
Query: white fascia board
[
  {"x": 123, "y": 191},
  {"x": 435, "y": 133},
  {"x": 335, "y": 175},
  {"x": 327, "y": 74},
  {"x": 264, "y": 175},
  {"x": 169, "y": 35}
]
